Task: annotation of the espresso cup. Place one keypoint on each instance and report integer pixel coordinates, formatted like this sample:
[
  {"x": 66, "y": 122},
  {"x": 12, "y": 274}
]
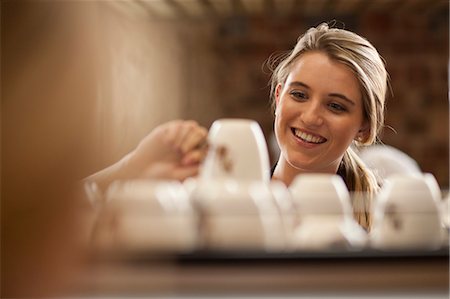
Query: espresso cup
[
  {"x": 320, "y": 194},
  {"x": 237, "y": 216},
  {"x": 151, "y": 216},
  {"x": 287, "y": 211},
  {"x": 445, "y": 212},
  {"x": 324, "y": 214},
  {"x": 237, "y": 150},
  {"x": 445, "y": 219},
  {"x": 406, "y": 214}
]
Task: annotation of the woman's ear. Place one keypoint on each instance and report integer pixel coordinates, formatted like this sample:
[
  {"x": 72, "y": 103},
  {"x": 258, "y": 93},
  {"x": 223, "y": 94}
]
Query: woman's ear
[
  {"x": 277, "y": 96},
  {"x": 278, "y": 93},
  {"x": 364, "y": 132}
]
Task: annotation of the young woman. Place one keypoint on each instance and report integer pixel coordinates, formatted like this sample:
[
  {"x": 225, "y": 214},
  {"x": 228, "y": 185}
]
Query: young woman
[{"x": 329, "y": 95}]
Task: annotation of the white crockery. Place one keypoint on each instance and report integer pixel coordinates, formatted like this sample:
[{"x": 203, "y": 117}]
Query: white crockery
[
  {"x": 406, "y": 214},
  {"x": 237, "y": 215},
  {"x": 445, "y": 212},
  {"x": 325, "y": 214},
  {"x": 318, "y": 193},
  {"x": 143, "y": 215},
  {"x": 238, "y": 150},
  {"x": 286, "y": 209}
]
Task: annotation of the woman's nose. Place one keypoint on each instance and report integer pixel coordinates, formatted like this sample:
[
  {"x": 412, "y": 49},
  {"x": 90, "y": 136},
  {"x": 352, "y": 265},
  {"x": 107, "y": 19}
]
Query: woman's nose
[{"x": 312, "y": 114}]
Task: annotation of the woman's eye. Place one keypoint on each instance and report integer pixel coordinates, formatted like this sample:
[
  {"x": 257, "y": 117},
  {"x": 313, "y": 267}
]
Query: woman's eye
[
  {"x": 337, "y": 107},
  {"x": 299, "y": 95}
]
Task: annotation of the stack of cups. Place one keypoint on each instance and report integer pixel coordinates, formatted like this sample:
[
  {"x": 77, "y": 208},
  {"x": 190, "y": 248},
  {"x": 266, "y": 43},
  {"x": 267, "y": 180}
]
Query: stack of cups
[
  {"x": 325, "y": 216},
  {"x": 233, "y": 195},
  {"x": 147, "y": 216}
]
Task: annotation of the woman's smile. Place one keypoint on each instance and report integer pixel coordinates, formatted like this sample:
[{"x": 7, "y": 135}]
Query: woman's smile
[{"x": 308, "y": 137}]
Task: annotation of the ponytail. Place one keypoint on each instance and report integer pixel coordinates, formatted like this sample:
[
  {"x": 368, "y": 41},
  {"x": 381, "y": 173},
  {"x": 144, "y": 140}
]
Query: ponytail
[{"x": 362, "y": 183}]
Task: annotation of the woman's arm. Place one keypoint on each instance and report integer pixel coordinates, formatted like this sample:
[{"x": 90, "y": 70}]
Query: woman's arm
[{"x": 172, "y": 150}]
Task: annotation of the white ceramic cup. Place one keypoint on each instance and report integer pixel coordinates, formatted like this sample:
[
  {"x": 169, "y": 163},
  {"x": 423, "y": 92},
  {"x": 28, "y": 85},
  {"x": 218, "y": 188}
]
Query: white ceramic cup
[
  {"x": 317, "y": 193},
  {"x": 237, "y": 215},
  {"x": 238, "y": 150},
  {"x": 406, "y": 214},
  {"x": 325, "y": 214},
  {"x": 286, "y": 209},
  {"x": 153, "y": 216}
]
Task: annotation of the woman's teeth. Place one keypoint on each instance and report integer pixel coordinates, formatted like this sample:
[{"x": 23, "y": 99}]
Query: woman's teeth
[{"x": 308, "y": 137}]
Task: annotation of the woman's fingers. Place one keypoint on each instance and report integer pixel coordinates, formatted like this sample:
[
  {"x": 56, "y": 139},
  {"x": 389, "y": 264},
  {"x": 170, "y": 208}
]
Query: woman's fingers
[
  {"x": 172, "y": 150},
  {"x": 196, "y": 139},
  {"x": 189, "y": 134},
  {"x": 174, "y": 131},
  {"x": 185, "y": 136},
  {"x": 194, "y": 157}
]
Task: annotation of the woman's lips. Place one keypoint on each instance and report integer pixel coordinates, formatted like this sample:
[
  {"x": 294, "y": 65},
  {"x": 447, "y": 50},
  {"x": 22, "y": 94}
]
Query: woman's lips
[{"x": 308, "y": 137}]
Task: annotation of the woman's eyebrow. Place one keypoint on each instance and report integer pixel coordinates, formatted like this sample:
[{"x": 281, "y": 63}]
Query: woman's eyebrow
[{"x": 298, "y": 83}]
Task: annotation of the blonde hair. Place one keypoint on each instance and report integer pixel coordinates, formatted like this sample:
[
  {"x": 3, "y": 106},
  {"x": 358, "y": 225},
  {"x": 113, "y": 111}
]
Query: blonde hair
[{"x": 368, "y": 66}]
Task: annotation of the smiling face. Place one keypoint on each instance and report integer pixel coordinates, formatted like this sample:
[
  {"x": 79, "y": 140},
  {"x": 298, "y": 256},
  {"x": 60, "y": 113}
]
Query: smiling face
[{"x": 319, "y": 111}]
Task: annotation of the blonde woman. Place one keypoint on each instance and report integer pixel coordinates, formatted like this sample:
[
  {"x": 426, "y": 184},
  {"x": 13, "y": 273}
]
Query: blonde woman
[{"x": 329, "y": 95}]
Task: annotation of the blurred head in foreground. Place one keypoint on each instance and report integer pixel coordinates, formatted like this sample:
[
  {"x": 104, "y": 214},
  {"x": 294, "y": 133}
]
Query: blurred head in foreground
[{"x": 47, "y": 90}]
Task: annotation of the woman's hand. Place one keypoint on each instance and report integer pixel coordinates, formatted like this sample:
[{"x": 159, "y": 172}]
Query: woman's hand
[{"x": 173, "y": 150}]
